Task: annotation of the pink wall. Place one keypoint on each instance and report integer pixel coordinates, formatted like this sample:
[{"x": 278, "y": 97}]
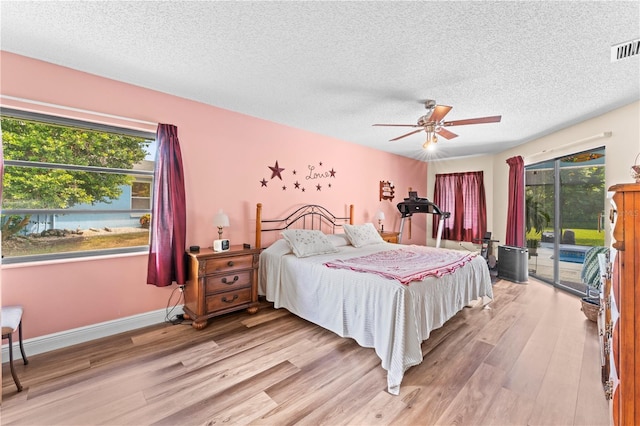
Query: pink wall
[{"x": 226, "y": 155}]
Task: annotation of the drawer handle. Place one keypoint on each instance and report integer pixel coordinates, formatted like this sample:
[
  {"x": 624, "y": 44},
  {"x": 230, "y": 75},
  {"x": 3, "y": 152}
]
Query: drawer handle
[
  {"x": 230, "y": 263},
  {"x": 224, "y": 298},
  {"x": 225, "y": 281},
  {"x": 608, "y": 330}
]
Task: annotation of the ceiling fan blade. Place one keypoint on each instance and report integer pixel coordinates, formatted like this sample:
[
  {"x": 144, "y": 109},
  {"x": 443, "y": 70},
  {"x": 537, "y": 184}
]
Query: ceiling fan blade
[
  {"x": 446, "y": 134},
  {"x": 439, "y": 112},
  {"x": 481, "y": 120},
  {"x": 404, "y": 136},
  {"x": 398, "y": 125}
]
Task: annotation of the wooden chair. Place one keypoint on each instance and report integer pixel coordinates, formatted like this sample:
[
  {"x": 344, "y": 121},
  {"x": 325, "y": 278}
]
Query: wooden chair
[{"x": 11, "y": 319}]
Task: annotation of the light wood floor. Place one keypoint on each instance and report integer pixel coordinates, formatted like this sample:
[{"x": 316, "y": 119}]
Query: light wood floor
[{"x": 531, "y": 359}]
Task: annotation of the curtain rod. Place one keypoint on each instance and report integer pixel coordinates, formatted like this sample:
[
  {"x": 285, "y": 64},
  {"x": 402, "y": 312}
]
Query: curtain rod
[
  {"x": 82, "y": 111},
  {"x": 567, "y": 145}
]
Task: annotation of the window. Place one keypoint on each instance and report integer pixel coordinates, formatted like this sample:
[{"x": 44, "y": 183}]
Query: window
[
  {"x": 141, "y": 195},
  {"x": 462, "y": 195},
  {"x": 73, "y": 188}
]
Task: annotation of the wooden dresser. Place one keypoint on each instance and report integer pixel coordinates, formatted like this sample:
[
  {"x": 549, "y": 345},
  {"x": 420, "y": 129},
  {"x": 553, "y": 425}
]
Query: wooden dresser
[
  {"x": 220, "y": 282},
  {"x": 620, "y": 332}
]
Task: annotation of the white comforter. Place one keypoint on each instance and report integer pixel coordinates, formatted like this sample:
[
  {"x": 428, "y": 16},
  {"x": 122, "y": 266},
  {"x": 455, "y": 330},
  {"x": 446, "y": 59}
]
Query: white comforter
[{"x": 377, "y": 312}]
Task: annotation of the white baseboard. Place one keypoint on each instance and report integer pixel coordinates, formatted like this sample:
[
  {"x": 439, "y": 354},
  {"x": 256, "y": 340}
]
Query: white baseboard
[{"x": 62, "y": 339}]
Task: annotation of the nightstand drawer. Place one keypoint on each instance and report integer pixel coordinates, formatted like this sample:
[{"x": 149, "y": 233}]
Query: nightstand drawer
[
  {"x": 228, "y": 299},
  {"x": 221, "y": 283},
  {"x": 226, "y": 264}
]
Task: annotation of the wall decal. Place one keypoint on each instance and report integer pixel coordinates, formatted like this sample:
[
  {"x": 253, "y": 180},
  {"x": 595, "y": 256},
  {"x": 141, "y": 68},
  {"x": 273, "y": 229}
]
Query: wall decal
[
  {"x": 315, "y": 172},
  {"x": 319, "y": 175},
  {"x": 276, "y": 171}
]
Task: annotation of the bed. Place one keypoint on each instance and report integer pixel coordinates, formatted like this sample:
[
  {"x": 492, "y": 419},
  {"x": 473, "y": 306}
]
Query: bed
[{"x": 377, "y": 311}]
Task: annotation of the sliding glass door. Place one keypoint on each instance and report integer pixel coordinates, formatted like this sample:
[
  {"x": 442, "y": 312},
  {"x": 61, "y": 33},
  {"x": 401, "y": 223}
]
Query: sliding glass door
[{"x": 565, "y": 200}]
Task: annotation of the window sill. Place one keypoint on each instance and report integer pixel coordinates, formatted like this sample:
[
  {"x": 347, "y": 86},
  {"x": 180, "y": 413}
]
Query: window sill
[{"x": 72, "y": 260}]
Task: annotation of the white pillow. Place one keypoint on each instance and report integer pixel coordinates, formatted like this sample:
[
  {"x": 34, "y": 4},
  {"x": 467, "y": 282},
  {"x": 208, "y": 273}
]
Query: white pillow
[
  {"x": 362, "y": 235},
  {"x": 339, "y": 240},
  {"x": 305, "y": 242},
  {"x": 280, "y": 247}
]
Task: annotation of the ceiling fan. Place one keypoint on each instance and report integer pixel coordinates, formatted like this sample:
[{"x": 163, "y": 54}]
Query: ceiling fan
[{"x": 433, "y": 124}]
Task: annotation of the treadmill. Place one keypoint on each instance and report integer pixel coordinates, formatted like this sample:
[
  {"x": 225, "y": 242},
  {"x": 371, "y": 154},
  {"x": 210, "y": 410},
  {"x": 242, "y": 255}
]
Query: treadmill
[{"x": 415, "y": 204}]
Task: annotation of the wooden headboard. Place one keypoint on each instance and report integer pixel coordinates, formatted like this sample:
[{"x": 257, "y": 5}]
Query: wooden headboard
[{"x": 310, "y": 216}]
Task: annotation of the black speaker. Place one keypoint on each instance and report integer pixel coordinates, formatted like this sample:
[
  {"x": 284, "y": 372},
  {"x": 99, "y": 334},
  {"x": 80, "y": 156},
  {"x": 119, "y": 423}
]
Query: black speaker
[{"x": 512, "y": 264}]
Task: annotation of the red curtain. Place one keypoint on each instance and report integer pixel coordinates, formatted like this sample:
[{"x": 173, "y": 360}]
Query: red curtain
[
  {"x": 168, "y": 217},
  {"x": 1, "y": 170},
  {"x": 462, "y": 195},
  {"x": 515, "y": 209}
]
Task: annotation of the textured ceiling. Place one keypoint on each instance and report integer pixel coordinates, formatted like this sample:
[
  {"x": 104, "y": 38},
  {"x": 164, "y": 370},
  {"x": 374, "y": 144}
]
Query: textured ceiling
[{"x": 336, "y": 68}]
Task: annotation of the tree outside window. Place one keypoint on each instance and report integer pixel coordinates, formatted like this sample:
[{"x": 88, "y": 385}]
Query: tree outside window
[{"x": 69, "y": 187}]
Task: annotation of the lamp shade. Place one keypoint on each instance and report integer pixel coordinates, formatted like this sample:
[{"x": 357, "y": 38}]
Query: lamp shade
[
  {"x": 220, "y": 219},
  {"x": 380, "y": 215}
]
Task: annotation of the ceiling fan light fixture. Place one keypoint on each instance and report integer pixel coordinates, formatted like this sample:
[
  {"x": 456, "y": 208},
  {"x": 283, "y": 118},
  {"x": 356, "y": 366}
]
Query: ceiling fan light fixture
[
  {"x": 432, "y": 140},
  {"x": 434, "y": 125},
  {"x": 428, "y": 145}
]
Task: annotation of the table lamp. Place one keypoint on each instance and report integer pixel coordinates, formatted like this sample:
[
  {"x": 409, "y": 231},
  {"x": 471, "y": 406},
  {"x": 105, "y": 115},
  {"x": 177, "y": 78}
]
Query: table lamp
[
  {"x": 220, "y": 220},
  {"x": 380, "y": 217}
]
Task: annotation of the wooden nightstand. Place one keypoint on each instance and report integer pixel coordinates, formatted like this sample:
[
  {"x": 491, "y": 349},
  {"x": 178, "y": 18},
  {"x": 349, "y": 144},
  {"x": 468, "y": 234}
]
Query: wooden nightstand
[
  {"x": 390, "y": 237},
  {"x": 220, "y": 282}
]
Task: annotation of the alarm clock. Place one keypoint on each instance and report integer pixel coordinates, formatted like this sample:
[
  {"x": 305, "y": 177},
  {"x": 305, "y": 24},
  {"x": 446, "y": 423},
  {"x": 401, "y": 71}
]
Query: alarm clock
[{"x": 220, "y": 245}]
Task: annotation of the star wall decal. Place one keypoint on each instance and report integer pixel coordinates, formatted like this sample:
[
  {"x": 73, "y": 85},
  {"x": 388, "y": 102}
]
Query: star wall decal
[
  {"x": 317, "y": 172},
  {"x": 276, "y": 171}
]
